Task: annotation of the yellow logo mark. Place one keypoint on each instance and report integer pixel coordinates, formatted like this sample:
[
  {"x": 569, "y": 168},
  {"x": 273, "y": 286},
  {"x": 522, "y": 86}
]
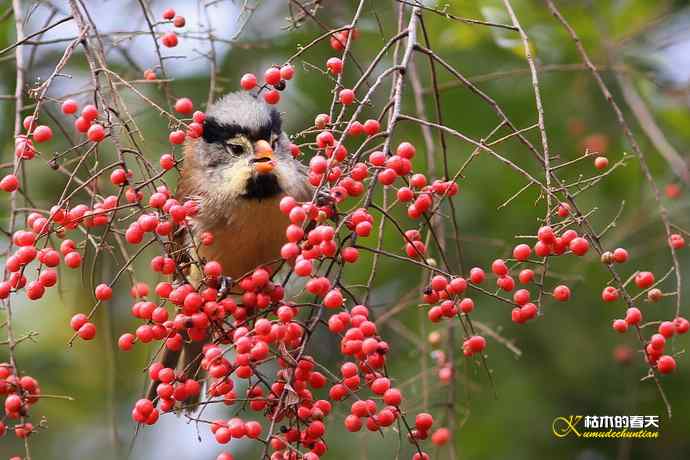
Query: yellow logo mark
[{"x": 563, "y": 426}]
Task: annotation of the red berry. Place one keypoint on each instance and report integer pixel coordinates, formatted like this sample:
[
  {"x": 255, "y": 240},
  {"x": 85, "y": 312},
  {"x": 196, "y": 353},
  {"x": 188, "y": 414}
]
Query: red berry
[
  {"x": 168, "y": 13},
  {"x": 184, "y": 105},
  {"x": 78, "y": 321},
  {"x": 69, "y": 107},
  {"x": 609, "y": 294},
  {"x": 9, "y": 183},
  {"x": 118, "y": 177},
  {"x": 546, "y": 235},
  {"x": 466, "y": 305},
  {"x": 666, "y": 364},
  {"x": 13, "y": 403},
  {"x": 561, "y": 293},
  {"x": 406, "y": 150},
  {"x": 89, "y": 112},
  {"x": 579, "y": 246},
  {"x": 82, "y": 125},
  {"x": 392, "y": 397},
  {"x": 439, "y": 283},
  {"x": 620, "y": 255},
  {"x": 526, "y": 276},
  {"x": 169, "y": 39},
  {"x": 673, "y": 191},
  {"x": 563, "y": 210},
  {"x": 371, "y": 127},
  {"x": 350, "y": 254},
  {"x": 248, "y": 81},
  {"x": 87, "y": 331},
  {"x": 134, "y": 234},
  {"x": 35, "y": 290},
  {"x": 272, "y": 97},
  {"x": 667, "y": 329},
  {"x": 103, "y": 292},
  {"x": 334, "y": 65},
  {"x": 287, "y": 72},
  {"x": 601, "y": 163},
  {"x": 272, "y": 76},
  {"x": 499, "y": 267},
  {"x": 42, "y": 133},
  {"x": 213, "y": 269},
  {"x": 676, "y": 241},
  {"x": 334, "y": 299},
  {"x": 177, "y": 137},
  {"x": 96, "y": 133},
  {"x": 441, "y": 436},
  {"x": 423, "y": 421},
  {"x": 346, "y": 96},
  {"x": 179, "y": 21},
  {"x": 126, "y": 341},
  {"x": 477, "y": 275},
  {"x": 29, "y": 123},
  {"x": 476, "y": 343},
  {"x": 682, "y": 325},
  {"x": 353, "y": 423},
  {"x": 521, "y": 252},
  {"x": 47, "y": 277},
  {"x": 644, "y": 280},
  {"x": 303, "y": 267},
  {"x": 167, "y": 161},
  {"x": 73, "y": 259},
  {"x": 24, "y": 148},
  {"x": 620, "y": 325}
]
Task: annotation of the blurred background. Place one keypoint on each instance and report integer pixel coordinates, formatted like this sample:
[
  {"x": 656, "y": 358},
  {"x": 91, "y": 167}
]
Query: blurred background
[{"x": 572, "y": 362}]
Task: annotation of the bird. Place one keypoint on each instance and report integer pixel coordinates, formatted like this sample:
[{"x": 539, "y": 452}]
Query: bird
[{"x": 237, "y": 172}]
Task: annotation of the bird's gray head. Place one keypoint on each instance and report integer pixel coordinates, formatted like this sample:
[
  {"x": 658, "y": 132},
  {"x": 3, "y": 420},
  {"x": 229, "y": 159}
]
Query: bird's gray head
[{"x": 243, "y": 146}]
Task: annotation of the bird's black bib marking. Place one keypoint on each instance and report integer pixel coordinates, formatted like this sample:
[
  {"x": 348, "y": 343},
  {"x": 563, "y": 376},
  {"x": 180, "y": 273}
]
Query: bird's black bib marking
[{"x": 262, "y": 186}]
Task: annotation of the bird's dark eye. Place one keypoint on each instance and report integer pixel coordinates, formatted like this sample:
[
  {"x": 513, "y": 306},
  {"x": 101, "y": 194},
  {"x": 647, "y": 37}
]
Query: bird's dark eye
[{"x": 235, "y": 149}]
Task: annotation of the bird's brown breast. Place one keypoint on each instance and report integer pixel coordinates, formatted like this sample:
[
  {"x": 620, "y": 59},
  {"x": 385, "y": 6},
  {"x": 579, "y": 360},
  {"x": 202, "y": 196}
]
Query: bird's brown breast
[{"x": 252, "y": 236}]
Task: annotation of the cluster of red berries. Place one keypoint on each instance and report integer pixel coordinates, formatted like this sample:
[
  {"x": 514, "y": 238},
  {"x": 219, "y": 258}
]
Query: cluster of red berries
[
  {"x": 339, "y": 39},
  {"x": 275, "y": 81},
  {"x": 301, "y": 252},
  {"x": 24, "y": 144},
  {"x": 195, "y": 129},
  {"x": 170, "y": 39},
  {"x": 86, "y": 122},
  {"x": 654, "y": 348},
  {"x": 59, "y": 221},
  {"x": 169, "y": 211},
  {"x": 20, "y": 394},
  {"x": 655, "y": 345}
]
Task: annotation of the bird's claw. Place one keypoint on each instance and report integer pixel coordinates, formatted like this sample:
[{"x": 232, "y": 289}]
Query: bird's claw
[{"x": 226, "y": 283}]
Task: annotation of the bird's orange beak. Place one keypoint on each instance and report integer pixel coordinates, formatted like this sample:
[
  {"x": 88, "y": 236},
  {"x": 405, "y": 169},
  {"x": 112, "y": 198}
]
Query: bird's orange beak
[{"x": 263, "y": 157}]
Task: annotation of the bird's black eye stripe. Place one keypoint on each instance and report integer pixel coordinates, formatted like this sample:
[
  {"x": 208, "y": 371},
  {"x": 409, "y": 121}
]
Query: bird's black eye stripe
[{"x": 216, "y": 132}]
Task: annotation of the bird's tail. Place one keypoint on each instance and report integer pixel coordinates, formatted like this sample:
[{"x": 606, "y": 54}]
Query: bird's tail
[{"x": 186, "y": 362}]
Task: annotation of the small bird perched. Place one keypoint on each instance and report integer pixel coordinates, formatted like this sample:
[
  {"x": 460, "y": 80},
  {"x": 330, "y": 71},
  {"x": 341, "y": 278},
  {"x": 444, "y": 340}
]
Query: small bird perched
[{"x": 237, "y": 172}]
